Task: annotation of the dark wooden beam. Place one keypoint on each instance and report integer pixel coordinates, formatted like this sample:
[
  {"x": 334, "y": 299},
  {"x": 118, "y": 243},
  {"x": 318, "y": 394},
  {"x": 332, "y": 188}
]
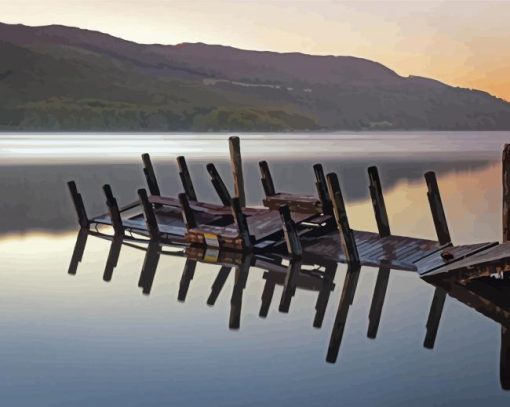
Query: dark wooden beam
[
  {"x": 218, "y": 284},
  {"x": 436, "y": 207},
  {"x": 267, "y": 296},
  {"x": 236, "y": 301},
  {"x": 150, "y": 216},
  {"x": 241, "y": 223},
  {"x": 113, "y": 257},
  {"x": 504, "y": 358},
  {"x": 150, "y": 265},
  {"x": 113, "y": 209},
  {"x": 187, "y": 275},
  {"x": 237, "y": 169},
  {"x": 324, "y": 293},
  {"x": 506, "y": 193},
  {"x": 186, "y": 181},
  {"x": 266, "y": 179},
  {"x": 292, "y": 240},
  {"x": 79, "y": 249},
  {"x": 347, "y": 239},
  {"x": 187, "y": 213},
  {"x": 83, "y": 219},
  {"x": 219, "y": 185},
  {"x": 322, "y": 188},
  {"x": 435, "y": 312},
  {"x": 150, "y": 175},
  {"x": 376, "y": 193},
  {"x": 374, "y": 316}
]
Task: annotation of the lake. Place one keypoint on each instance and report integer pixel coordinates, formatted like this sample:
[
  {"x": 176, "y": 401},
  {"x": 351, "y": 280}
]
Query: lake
[{"x": 79, "y": 340}]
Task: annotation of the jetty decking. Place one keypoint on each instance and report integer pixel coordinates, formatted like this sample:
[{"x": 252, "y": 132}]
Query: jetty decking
[{"x": 293, "y": 225}]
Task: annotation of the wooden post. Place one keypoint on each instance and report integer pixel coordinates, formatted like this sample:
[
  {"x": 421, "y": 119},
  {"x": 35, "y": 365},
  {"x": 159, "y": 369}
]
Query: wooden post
[
  {"x": 506, "y": 193},
  {"x": 376, "y": 193},
  {"x": 347, "y": 238},
  {"x": 186, "y": 181},
  {"x": 435, "y": 312},
  {"x": 267, "y": 179},
  {"x": 79, "y": 249},
  {"x": 290, "y": 232},
  {"x": 374, "y": 315},
  {"x": 150, "y": 175},
  {"x": 242, "y": 224},
  {"x": 187, "y": 213},
  {"x": 218, "y": 284},
  {"x": 436, "y": 207},
  {"x": 150, "y": 264},
  {"x": 113, "y": 257},
  {"x": 83, "y": 219},
  {"x": 346, "y": 299},
  {"x": 237, "y": 169},
  {"x": 150, "y": 217},
  {"x": 113, "y": 209},
  {"x": 322, "y": 188},
  {"x": 219, "y": 185},
  {"x": 187, "y": 275}
]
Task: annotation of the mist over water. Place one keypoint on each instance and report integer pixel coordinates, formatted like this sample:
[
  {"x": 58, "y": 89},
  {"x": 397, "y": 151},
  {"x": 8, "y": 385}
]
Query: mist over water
[{"x": 80, "y": 340}]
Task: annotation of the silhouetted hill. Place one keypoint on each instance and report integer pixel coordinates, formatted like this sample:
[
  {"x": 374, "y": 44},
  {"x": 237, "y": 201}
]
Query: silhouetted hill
[{"x": 63, "y": 78}]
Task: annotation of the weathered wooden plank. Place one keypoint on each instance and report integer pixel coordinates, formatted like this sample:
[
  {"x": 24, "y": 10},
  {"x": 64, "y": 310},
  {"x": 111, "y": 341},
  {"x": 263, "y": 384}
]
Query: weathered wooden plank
[
  {"x": 296, "y": 202},
  {"x": 185, "y": 177},
  {"x": 237, "y": 169}
]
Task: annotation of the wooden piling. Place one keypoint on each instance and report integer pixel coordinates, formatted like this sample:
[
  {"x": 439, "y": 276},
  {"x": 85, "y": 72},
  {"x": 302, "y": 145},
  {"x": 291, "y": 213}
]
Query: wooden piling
[
  {"x": 187, "y": 213},
  {"x": 219, "y": 185},
  {"x": 347, "y": 239},
  {"x": 113, "y": 209},
  {"x": 83, "y": 219},
  {"x": 376, "y": 194},
  {"x": 150, "y": 175},
  {"x": 506, "y": 193},
  {"x": 237, "y": 169},
  {"x": 150, "y": 216},
  {"x": 292, "y": 240},
  {"x": 242, "y": 224},
  {"x": 436, "y": 207},
  {"x": 266, "y": 179},
  {"x": 322, "y": 188},
  {"x": 186, "y": 181}
]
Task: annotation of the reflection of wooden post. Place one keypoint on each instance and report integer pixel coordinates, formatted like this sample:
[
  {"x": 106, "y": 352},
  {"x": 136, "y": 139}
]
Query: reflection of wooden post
[
  {"x": 322, "y": 188},
  {"x": 79, "y": 248},
  {"x": 187, "y": 275},
  {"x": 83, "y": 220},
  {"x": 113, "y": 257},
  {"x": 236, "y": 301},
  {"x": 187, "y": 184},
  {"x": 241, "y": 223},
  {"x": 346, "y": 299},
  {"x": 436, "y": 207},
  {"x": 381, "y": 216},
  {"x": 150, "y": 175},
  {"x": 267, "y": 296},
  {"x": 289, "y": 287},
  {"x": 376, "y": 307},
  {"x": 150, "y": 216},
  {"x": 267, "y": 179},
  {"x": 150, "y": 264},
  {"x": 436, "y": 310},
  {"x": 347, "y": 239},
  {"x": 504, "y": 358},
  {"x": 324, "y": 293},
  {"x": 219, "y": 185},
  {"x": 290, "y": 232},
  {"x": 113, "y": 209},
  {"x": 218, "y": 284},
  {"x": 237, "y": 169},
  {"x": 506, "y": 193}
]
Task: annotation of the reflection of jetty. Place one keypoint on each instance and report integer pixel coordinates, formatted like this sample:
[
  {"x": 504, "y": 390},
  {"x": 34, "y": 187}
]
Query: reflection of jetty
[{"x": 291, "y": 225}]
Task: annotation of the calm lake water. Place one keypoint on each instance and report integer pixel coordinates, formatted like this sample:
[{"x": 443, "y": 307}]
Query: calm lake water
[{"x": 78, "y": 340}]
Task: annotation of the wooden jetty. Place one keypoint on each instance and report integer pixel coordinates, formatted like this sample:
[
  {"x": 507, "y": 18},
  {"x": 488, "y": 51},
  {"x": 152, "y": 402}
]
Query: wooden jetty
[{"x": 290, "y": 224}]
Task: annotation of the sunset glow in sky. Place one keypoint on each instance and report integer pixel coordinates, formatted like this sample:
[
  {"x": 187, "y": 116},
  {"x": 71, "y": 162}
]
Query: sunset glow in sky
[{"x": 462, "y": 43}]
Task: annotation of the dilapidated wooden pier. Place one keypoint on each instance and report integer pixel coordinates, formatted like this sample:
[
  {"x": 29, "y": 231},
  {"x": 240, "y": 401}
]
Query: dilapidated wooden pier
[{"x": 292, "y": 225}]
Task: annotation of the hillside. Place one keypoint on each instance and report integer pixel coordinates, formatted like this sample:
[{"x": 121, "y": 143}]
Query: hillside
[{"x": 62, "y": 78}]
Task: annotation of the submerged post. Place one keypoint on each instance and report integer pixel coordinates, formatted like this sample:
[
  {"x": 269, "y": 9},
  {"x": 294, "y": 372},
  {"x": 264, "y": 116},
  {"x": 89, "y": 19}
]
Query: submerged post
[
  {"x": 267, "y": 179},
  {"x": 322, "y": 188},
  {"x": 506, "y": 193},
  {"x": 347, "y": 238},
  {"x": 290, "y": 232},
  {"x": 187, "y": 213},
  {"x": 242, "y": 224},
  {"x": 150, "y": 216},
  {"x": 150, "y": 175},
  {"x": 113, "y": 209},
  {"x": 436, "y": 207},
  {"x": 376, "y": 194},
  {"x": 219, "y": 185},
  {"x": 187, "y": 184},
  {"x": 237, "y": 169},
  {"x": 83, "y": 219}
]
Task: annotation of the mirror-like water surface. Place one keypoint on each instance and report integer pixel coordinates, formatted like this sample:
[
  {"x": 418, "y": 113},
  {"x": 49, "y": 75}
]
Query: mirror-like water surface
[{"x": 80, "y": 340}]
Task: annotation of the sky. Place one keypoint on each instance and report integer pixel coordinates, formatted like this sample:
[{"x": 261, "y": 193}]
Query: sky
[{"x": 462, "y": 43}]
